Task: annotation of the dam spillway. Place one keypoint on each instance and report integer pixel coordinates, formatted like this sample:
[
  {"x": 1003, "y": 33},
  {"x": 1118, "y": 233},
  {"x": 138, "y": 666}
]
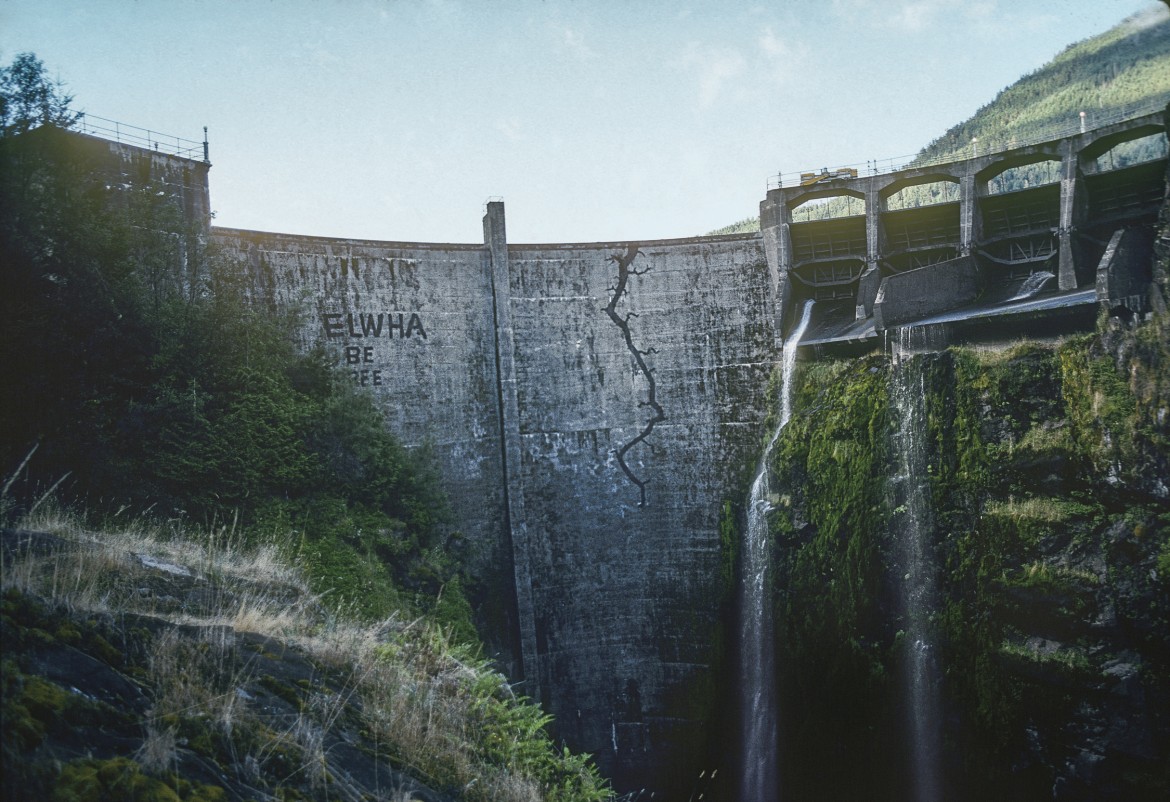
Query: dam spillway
[{"x": 892, "y": 249}]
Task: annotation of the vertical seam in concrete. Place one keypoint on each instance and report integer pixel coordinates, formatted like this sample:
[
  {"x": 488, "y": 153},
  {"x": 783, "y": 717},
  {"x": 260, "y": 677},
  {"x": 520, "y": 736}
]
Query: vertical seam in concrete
[
  {"x": 495, "y": 238},
  {"x": 1066, "y": 258},
  {"x": 777, "y": 254}
]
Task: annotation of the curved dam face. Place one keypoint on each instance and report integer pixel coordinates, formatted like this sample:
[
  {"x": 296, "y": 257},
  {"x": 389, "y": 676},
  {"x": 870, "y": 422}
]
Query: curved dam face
[{"x": 591, "y": 408}]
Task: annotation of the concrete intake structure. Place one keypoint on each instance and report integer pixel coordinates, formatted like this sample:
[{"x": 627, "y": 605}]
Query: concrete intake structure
[
  {"x": 593, "y": 406},
  {"x": 967, "y": 233}
]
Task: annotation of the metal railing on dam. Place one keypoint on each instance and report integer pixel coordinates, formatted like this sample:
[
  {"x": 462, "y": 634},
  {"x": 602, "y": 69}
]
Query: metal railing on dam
[{"x": 142, "y": 137}]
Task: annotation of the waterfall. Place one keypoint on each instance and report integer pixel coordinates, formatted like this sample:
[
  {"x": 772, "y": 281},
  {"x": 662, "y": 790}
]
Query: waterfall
[
  {"x": 913, "y": 527},
  {"x": 1032, "y": 285},
  {"x": 759, "y": 774}
]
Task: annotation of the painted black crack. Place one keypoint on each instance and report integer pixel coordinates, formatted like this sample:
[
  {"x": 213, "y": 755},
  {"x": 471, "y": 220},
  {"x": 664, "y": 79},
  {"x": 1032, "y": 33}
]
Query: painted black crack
[{"x": 623, "y": 323}]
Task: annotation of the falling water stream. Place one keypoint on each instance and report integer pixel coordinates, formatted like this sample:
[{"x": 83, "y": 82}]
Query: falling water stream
[
  {"x": 912, "y": 526},
  {"x": 1032, "y": 285},
  {"x": 759, "y": 774}
]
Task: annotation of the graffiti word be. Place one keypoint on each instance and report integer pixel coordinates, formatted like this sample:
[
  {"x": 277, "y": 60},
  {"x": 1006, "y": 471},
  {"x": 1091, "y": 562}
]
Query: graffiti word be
[{"x": 356, "y": 355}]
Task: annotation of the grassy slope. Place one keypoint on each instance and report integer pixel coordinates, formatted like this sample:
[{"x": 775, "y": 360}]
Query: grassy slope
[
  {"x": 153, "y": 663},
  {"x": 1127, "y": 65}
]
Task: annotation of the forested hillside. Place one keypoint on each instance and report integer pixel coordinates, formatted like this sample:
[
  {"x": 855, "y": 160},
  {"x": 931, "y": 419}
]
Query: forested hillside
[{"x": 1126, "y": 67}]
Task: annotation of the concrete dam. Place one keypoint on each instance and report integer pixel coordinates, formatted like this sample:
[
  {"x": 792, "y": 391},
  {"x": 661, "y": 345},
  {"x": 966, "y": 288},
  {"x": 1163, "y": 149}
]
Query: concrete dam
[
  {"x": 596, "y": 409},
  {"x": 591, "y": 406}
]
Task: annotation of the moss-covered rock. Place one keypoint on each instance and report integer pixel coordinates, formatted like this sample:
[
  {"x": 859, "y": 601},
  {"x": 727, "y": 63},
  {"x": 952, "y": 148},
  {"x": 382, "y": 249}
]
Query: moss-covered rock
[{"x": 1052, "y": 619}]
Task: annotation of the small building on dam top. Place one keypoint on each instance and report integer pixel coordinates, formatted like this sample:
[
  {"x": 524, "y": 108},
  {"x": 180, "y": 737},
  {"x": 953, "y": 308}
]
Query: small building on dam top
[{"x": 594, "y": 406}]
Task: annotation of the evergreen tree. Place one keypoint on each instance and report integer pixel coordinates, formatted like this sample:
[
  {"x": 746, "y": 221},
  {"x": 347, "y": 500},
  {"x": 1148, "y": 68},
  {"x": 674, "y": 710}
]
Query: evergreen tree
[{"x": 29, "y": 98}]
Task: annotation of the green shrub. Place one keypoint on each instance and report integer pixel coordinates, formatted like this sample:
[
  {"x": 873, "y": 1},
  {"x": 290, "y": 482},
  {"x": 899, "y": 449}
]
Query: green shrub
[{"x": 1164, "y": 562}]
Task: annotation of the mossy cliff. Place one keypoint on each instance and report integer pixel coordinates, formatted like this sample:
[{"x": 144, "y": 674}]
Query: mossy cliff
[{"x": 1047, "y": 472}]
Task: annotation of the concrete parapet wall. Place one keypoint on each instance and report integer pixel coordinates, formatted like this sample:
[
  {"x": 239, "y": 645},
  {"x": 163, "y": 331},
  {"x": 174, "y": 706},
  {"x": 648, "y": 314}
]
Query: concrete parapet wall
[
  {"x": 132, "y": 166},
  {"x": 915, "y": 294}
]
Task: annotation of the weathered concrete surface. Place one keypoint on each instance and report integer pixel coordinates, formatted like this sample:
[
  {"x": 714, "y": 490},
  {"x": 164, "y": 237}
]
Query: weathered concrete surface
[
  {"x": 915, "y": 294},
  {"x": 435, "y": 380},
  {"x": 626, "y": 596},
  {"x": 127, "y": 168},
  {"x": 775, "y": 223},
  {"x": 618, "y": 619},
  {"x": 1123, "y": 274},
  {"x": 183, "y": 179}
]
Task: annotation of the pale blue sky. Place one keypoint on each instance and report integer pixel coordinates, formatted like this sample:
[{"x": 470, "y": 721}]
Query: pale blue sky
[{"x": 396, "y": 119}]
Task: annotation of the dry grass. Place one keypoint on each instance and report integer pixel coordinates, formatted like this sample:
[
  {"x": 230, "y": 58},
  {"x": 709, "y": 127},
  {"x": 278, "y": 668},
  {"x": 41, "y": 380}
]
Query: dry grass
[
  {"x": 219, "y": 551},
  {"x": 1041, "y": 572},
  {"x": 422, "y": 699},
  {"x": 157, "y": 754},
  {"x": 1036, "y": 508}
]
